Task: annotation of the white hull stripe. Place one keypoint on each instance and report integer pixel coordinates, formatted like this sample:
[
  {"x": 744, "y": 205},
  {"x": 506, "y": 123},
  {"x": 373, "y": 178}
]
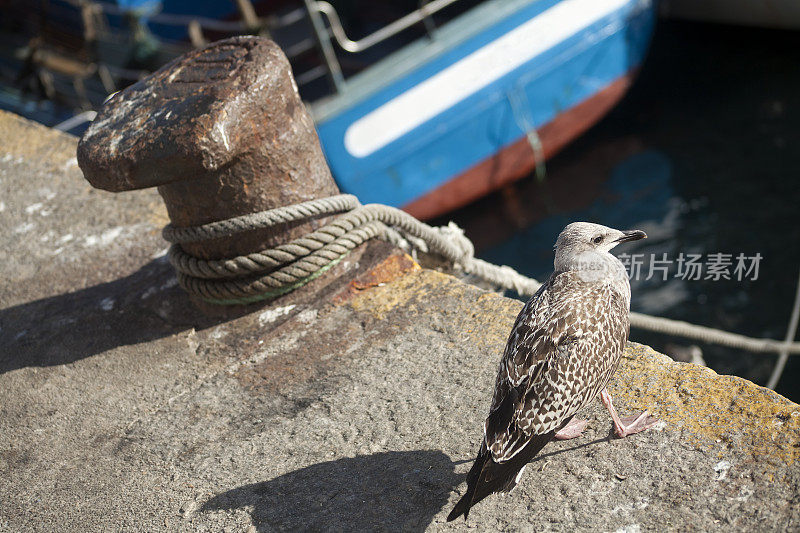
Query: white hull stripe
[{"x": 486, "y": 65}]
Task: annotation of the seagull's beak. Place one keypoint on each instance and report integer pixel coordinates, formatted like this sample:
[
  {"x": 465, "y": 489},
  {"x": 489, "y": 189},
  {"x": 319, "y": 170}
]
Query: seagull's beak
[{"x": 633, "y": 235}]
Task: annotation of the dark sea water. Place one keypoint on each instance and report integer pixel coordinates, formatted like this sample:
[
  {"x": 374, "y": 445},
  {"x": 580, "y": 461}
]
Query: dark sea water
[{"x": 703, "y": 154}]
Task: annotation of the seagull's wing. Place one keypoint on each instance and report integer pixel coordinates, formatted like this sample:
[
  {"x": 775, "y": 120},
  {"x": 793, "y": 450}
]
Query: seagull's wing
[{"x": 548, "y": 331}]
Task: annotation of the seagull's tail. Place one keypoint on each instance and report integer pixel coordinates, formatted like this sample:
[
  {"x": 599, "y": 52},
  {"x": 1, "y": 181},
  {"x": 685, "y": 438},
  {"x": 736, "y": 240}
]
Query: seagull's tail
[
  {"x": 487, "y": 476},
  {"x": 468, "y": 499}
]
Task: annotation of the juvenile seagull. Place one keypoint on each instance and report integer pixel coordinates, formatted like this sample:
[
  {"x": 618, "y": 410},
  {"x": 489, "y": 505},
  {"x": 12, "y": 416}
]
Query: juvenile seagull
[{"x": 561, "y": 353}]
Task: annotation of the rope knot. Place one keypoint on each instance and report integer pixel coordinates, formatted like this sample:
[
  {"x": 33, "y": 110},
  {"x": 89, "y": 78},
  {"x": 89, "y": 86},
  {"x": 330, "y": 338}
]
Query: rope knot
[{"x": 455, "y": 236}]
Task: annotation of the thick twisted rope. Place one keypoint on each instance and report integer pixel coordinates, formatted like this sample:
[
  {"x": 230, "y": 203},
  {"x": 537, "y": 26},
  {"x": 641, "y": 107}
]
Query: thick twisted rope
[
  {"x": 282, "y": 280},
  {"x": 264, "y": 219},
  {"x": 270, "y": 273},
  {"x": 222, "y": 281},
  {"x": 710, "y": 335}
]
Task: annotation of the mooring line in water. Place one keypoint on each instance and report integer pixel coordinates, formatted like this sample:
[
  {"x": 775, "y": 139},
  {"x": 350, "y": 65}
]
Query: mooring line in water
[
  {"x": 791, "y": 331},
  {"x": 242, "y": 279}
]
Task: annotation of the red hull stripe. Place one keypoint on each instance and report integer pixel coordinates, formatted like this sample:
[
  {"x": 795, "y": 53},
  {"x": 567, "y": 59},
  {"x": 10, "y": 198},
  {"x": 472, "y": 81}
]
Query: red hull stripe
[{"x": 517, "y": 159}]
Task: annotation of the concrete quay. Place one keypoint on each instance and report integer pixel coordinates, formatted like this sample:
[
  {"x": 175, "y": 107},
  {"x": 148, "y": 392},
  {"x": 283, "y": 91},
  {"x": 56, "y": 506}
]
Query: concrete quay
[{"x": 353, "y": 404}]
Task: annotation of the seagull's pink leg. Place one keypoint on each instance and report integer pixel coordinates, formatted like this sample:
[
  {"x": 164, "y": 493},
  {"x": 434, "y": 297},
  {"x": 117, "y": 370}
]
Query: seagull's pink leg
[
  {"x": 627, "y": 425},
  {"x": 572, "y": 430}
]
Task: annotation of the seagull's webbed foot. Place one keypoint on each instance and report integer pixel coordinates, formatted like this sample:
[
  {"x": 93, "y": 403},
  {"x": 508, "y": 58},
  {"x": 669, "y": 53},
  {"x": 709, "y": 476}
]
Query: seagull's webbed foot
[
  {"x": 572, "y": 430},
  {"x": 627, "y": 425}
]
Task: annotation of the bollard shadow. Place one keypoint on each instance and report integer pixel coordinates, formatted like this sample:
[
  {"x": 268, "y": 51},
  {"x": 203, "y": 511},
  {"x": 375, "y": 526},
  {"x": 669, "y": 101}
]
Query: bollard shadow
[
  {"x": 389, "y": 491},
  {"x": 143, "y": 306}
]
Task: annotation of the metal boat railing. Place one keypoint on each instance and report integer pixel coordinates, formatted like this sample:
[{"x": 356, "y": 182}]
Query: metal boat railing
[
  {"x": 336, "y": 30},
  {"x": 426, "y": 9}
]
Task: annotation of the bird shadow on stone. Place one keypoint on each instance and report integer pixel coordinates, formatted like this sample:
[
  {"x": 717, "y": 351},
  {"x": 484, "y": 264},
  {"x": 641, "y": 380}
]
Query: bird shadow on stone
[{"x": 388, "y": 491}]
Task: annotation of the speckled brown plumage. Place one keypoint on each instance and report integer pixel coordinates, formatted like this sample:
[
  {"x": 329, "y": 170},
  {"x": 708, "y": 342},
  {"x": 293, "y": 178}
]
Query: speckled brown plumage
[{"x": 563, "y": 349}]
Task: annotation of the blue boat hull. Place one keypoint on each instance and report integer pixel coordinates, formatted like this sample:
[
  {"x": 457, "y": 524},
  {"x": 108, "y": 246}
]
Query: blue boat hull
[{"x": 438, "y": 122}]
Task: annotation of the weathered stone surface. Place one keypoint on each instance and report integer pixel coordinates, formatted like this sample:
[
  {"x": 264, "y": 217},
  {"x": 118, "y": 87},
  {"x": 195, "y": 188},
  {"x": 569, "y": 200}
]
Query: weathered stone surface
[{"x": 353, "y": 407}]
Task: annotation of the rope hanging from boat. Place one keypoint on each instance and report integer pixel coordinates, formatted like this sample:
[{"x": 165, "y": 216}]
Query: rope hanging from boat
[{"x": 276, "y": 271}]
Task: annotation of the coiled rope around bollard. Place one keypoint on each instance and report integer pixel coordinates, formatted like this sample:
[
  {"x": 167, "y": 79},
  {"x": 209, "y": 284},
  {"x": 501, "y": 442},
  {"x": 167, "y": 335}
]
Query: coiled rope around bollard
[{"x": 276, "y": 271}]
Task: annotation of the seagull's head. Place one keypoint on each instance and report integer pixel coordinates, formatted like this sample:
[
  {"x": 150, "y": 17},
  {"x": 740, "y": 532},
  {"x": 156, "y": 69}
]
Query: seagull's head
[{"x": 582, "y": 240}]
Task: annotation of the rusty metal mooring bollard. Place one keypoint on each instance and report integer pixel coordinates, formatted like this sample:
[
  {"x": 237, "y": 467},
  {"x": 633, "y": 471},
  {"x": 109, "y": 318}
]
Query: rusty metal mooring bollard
[{"x": 222, "y": 132}]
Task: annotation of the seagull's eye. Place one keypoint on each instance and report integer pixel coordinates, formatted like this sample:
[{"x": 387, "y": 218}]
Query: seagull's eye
[{"x": 598, "y": 239}]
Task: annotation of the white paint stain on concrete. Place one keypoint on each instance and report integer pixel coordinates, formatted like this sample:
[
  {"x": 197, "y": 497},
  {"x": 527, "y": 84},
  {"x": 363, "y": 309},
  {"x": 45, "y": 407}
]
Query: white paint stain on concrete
[
  {"x": 24, "y": 228},
  {"x": 271, "y": 315},
  {"x": 105, "y": 238},
  {"x": 107, "y": 304},
  {"x": 218, "y": 333},
  {"x": 70, "y": 164},
  {"x": 33, "y": 208},
  {"x": 307, "y": 316},
  {"x": 159, "y": 254},
  {"x": 8, "y": 158},
  {"x": 721, "y": 470}
]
